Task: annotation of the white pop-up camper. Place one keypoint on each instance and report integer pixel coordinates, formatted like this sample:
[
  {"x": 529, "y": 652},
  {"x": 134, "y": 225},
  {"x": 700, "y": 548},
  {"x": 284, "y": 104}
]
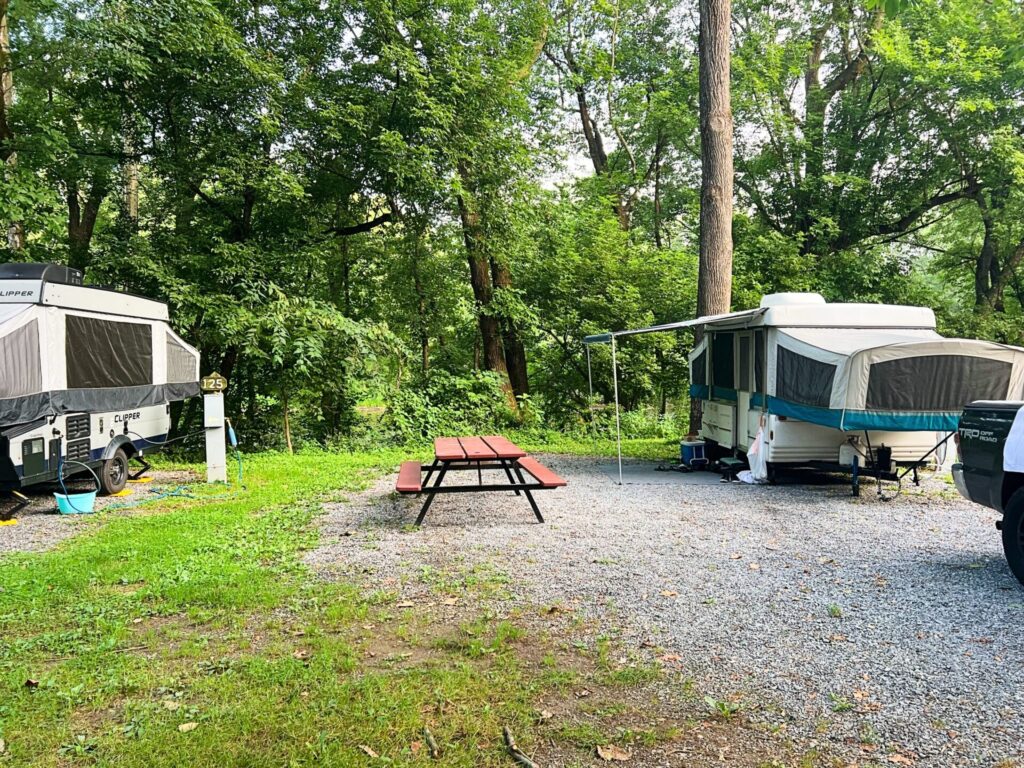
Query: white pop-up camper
[
  {"x": 86, "y": 376},
  {"x": 824, "y": 376},
  {"x": 832, "y": 383}
]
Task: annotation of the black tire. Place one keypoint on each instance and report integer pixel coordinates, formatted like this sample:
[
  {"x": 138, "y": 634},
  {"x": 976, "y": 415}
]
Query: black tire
[
  {"x": 1013, "y": 534},
  {"x": 114, "y": 473}
]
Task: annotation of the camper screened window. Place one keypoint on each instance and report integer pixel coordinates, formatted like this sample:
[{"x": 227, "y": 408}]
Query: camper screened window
[
  {"x": 802, "y": 379},
  {"x": 744, "y": 378},
  {"x": 760, "y": 352},
  {"x": 181, "y": 365},
  {"x": 722, "y": 360},
  {"x": 105, "y": 353},
  {"x": 20, "y": 371},
  {"x": 936, "y": 382},
  {"x": 699, "y": 374}
]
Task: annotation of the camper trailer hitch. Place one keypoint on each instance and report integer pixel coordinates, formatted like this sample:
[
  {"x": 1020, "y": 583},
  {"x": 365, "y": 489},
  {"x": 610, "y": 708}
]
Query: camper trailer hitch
[{"x": 19, "y": 503}]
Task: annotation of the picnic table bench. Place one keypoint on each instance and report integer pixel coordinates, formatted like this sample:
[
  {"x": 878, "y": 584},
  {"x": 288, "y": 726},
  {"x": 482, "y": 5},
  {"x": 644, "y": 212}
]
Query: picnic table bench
[{"x": 491, "y": 452}]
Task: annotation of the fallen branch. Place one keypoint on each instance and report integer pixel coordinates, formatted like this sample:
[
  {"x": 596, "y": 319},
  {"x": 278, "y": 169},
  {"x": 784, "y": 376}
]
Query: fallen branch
[
  {"x": 513, "y": 750},
  {"x": 435, "y": 751}
]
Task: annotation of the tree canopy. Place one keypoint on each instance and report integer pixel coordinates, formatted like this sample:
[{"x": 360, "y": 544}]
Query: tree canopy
[{"x": 422, "y": 206}]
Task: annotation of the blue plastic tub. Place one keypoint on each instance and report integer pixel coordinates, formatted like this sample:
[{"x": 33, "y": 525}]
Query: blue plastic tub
[{"x": 75, "y": 503}]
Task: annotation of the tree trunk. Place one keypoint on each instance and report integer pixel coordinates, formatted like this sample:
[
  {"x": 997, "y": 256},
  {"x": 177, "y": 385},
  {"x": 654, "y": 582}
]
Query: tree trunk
[
  {"x": 177, "y": 408},
  {"x": 191, "y": 408},
  {"x": 287, "y": 421},
  {"x": 986, "y": 269},
  {"x": 346, "y": 284},
  {"x": 714, "y": 281},
  {"x": 657, "y": 193},
  {"x": 714, "y": 286},
  {"x": 227, "y": 363},
  {"x": 82, "y": 222},
  {"x": 131, "y": 193},
  {"x": 595, "y": 147},
  {"x": 9, "y": 158},
  {"x": 421, "y": 310},
  {"x": 490, "y": 328},
  {"x": 515, "y": 351},
  {"x": 480, "y": 279}
]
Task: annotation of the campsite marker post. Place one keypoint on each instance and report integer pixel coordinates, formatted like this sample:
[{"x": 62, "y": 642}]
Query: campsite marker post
[{"x": 213, "y": 387}]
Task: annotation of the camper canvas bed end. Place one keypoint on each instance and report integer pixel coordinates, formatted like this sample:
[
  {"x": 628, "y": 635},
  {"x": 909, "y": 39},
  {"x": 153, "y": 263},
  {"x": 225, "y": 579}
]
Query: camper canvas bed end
[
  {"x": 833, "y": 383},
  {"x": 86, "y": 377}
]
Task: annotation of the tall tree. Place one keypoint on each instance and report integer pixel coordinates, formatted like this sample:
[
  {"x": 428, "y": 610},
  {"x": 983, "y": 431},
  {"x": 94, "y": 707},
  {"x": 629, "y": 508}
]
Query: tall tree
[
  {"x": 714, "y": 280},
  {"x": 8, "y": 155},
  {"x": 714, "y": 286}
]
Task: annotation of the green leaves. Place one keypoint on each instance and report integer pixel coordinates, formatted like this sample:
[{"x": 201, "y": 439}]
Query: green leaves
[{"x": 890, "y": 7}]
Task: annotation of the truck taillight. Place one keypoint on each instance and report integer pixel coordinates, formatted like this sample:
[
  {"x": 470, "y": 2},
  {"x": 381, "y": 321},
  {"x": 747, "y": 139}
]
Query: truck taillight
[{"x": 956, "y": 442}]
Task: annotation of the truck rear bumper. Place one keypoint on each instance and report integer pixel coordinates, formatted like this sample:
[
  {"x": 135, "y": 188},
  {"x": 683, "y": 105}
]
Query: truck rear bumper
[{"x": 958, "y": 481}]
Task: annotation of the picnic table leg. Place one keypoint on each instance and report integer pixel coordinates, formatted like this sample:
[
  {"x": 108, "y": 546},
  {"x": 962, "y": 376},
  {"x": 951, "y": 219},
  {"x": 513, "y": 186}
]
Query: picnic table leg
[
  {"x": 431, "y": 492},
  {"x": 529, "y": 496},
  {"x": 430, "y": 472},
  {"x": 479, "y": 474},
  {"x": 508, "y": 473}
]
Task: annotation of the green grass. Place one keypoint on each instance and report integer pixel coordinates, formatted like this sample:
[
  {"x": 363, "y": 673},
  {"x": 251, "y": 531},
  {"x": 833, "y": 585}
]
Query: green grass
[
  {"x": 187, "y": 632},
  {"x": 200, "y": 612}
]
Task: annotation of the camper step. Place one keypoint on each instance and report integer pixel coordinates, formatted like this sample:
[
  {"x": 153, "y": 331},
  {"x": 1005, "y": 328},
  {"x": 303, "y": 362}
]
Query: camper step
[{"x": 730, "y": 467}]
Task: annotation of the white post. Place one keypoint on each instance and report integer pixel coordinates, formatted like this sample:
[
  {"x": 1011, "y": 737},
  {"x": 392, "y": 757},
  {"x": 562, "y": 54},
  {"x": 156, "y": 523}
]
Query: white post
[
  {"x": 615, "y": 387},
  {"x": 216, "y": 438}
]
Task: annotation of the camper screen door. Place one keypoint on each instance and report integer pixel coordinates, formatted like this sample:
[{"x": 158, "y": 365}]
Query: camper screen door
[{"x": 104, "y": 353}]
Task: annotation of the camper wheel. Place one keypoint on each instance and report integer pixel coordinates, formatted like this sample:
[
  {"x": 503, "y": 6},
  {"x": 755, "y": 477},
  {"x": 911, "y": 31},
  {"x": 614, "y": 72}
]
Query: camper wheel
[{"x": 114, "y": 473}]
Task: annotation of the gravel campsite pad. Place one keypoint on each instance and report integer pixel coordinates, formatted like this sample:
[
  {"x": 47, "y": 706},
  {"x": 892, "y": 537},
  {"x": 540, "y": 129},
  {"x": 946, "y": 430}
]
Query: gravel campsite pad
[
  {"x": 879, "y": 630},
  {"x": 40, "y": 527}
]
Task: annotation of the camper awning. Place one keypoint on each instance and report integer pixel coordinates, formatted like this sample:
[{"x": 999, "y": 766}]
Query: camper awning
[{"x": 728, "y": 320}]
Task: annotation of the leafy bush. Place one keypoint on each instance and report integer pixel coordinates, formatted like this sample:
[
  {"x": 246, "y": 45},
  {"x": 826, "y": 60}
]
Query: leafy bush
[{"x": 442, "y": 403}]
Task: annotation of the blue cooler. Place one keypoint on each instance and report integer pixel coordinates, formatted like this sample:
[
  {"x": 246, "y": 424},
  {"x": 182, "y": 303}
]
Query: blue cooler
[{"x": 691, "y": 453}]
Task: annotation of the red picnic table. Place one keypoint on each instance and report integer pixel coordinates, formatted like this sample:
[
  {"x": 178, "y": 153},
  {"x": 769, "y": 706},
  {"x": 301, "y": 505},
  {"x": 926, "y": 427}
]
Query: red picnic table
[{"x": 491, "y": 452}]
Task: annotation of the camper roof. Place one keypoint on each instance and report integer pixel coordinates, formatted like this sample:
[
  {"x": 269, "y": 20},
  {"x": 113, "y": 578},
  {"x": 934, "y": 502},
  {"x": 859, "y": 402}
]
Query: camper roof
[
  {"x": 798, "y": 310},
  {"x": 57, "y": 286}
]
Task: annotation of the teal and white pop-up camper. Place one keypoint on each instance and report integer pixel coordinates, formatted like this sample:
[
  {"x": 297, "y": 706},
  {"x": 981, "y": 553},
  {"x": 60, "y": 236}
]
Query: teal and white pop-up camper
[
  {"x": 832, "y": 382},
  {"x": 823, "y": 374},
  {"x": 87, "y": 376}
]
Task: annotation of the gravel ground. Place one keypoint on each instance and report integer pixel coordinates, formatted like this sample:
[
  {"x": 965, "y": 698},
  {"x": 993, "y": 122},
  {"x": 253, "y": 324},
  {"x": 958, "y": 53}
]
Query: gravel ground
[
  {"x": 40, "y": 527},
  {"x": 866, "y": 627}
]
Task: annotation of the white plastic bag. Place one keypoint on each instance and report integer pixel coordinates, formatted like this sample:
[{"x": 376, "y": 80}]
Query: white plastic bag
[{"x": 756, "y": 456}]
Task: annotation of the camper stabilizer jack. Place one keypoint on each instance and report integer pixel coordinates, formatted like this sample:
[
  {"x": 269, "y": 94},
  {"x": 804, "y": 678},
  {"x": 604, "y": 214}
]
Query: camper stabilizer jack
[{"x": 10, "y": 505}]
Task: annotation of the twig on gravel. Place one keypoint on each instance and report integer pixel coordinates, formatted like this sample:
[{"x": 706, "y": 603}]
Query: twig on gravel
[{"x": 513, "y": 750}]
